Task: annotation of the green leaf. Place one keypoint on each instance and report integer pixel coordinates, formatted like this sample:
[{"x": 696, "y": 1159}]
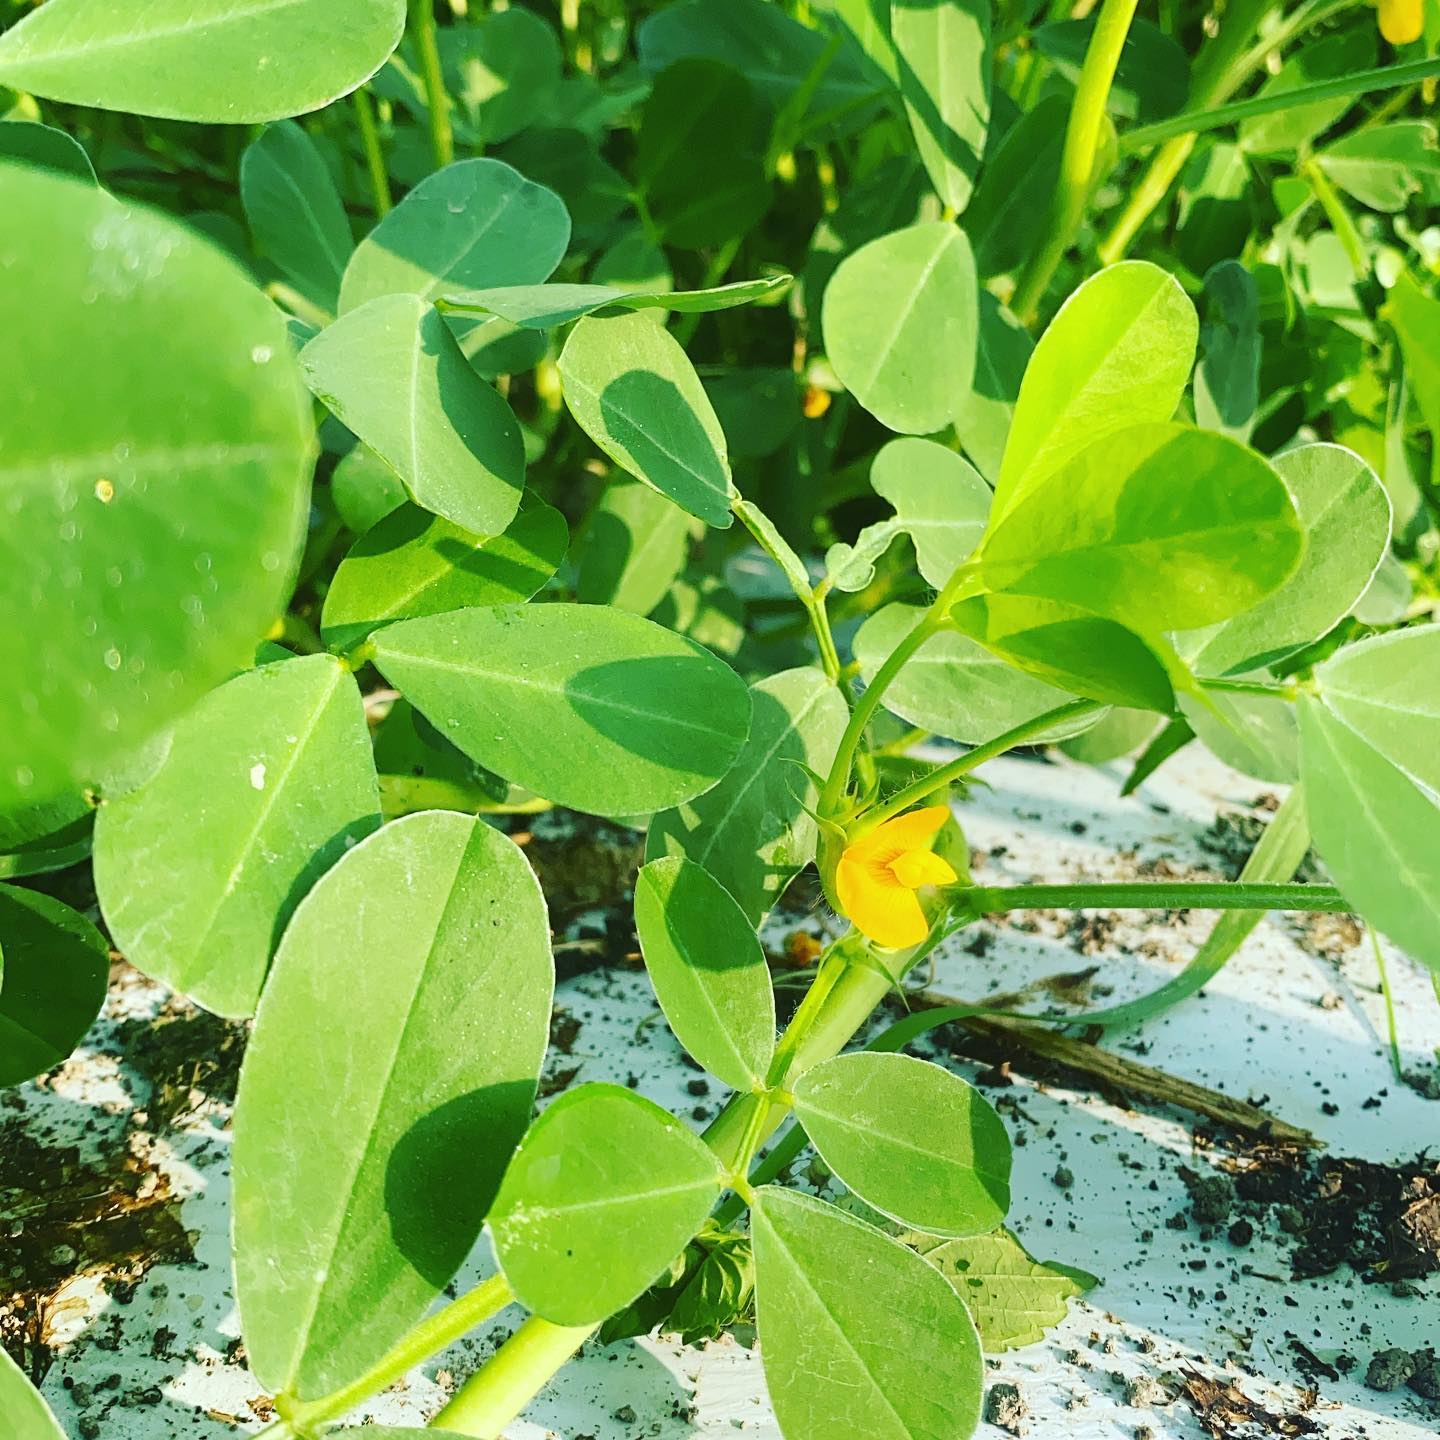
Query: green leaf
[
  {"x": 1227, "y": 379},
  {"x": 1160, "y": 527},
  {"x": 153, "y": 513},
  {"x": 1387, "y": 690},
  {"x": 634, "y": 544},
  {"x": 708, "y": 970},
  {"x": 1415, "y": 317},
  {"x": 295, "y": 213},
  {"x": 759, "y": 408},
  {"x": 951, "y": 686},
  {"x": 23, "y": 1406},
  {"x": 939, "y": 499},
  {"x": 1377, "y": 832},
  {"x": 268, "y": 781},
  {"x": 852, "y": 567},
  {"x": 604, "y": 1192},
  {"x": 474, "y": 225},
  {"x": 1013, "y": 1298},
  {"x": 1383, "y": 165},
  {"x": 413, "y": 563},
  {"x": 54, "y": 967},
  {"x": 1068, "y": 647},
  {"x": 27, "y": 142},
  {"x": 942, "y": 50},
  {"x": 543, "y": 307},
  {"x": 910, "y": 1139},
  {"x": 1118, "y": 352},
  {"x": 754, "y": 832},
  {"x": 1345, "y": 516},
  {"x": 396, "y": 1091},
  {"x": 634, "y": 392},
  {"x": 777, "y": 54},
  {"x": 982, "y": 422},
  {"x": 585, "y": 705},
  {"x": 836, "y": 1361},
  {"x": 1015, "y": 189},
  {"x": 1254, "y": 734},
  {"x": 227, "y": 62},
  {"x": 364, "y": 488},
  {"x": 1115, "y": 734},
  {"x": 66, "y": 846},
  {"x": 503, "y": 67},
  {"x": 394, "y": 374},
  {"x": 1326, "y": 57},
  {"x": 900, "y": 321},
  {"x": 700, "y": 155}
]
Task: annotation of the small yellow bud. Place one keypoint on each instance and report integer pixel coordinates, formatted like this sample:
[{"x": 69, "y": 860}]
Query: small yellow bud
[
  {"x": 816, "y": 402},
  {"x": 1402, "y": 21}
]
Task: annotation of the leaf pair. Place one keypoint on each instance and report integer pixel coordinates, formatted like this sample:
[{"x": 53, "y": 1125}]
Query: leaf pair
[{"x": 392, "y": 369}]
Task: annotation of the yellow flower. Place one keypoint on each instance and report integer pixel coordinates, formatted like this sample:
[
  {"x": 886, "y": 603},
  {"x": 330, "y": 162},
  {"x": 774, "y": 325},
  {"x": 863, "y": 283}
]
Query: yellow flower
[
  {"x": 878, "y": 875},
  {"x": 1402, "y": 21}
]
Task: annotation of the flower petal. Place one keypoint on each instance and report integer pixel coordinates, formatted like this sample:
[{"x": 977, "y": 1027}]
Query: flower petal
[
  {"x": 922, "y": 867},
  {"x": 912, "y": 831},
  {"x": 888, "y": 914}
]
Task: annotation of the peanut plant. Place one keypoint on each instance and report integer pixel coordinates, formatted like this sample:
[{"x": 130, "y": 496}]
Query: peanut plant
[{"x": 674, "y": 413}]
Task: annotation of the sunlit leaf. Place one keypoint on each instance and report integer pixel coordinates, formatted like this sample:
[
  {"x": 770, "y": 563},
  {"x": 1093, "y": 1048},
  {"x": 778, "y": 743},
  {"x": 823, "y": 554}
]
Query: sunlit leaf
[
  {"x": 604, "y": 1192},
  {"x": 341, "y": 1249}
]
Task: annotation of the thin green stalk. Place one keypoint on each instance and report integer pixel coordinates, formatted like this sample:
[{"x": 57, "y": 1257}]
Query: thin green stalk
[
  {"x": 511, "y": 1378},
  {"x": 1276, "y": 857},
  {"x": 1281, "y": 691},
  {"x": 834, "y": 790},
  {"x": 437, "y": 102},
  {"x": 1154, "y": 895},
  {"x": 810, "y": 597},
  {"x": 1338, "y": 214},
  {"x": 1224, "y": 66},
  {"x": 1077, "y": 160},
  {"x": 927, "y": 785},
  {"x": 428, "y": 1338},
  {"x": 1391, "y": 1029},
  {"x": 374, "y": 156},
  {"x": 1362, "y": 82}
]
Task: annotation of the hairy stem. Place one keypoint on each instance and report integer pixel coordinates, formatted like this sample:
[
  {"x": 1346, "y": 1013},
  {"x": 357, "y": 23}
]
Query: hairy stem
[
  {"x": 1077, "y": 160},
  {"x": 1154, "y": 895}
]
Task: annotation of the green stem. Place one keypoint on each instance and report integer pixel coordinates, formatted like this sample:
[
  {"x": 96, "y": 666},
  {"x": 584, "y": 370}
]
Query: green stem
[
  {"x": 927, "y": 785},
  {"x": 833, "y": 793},
  {"x": 428, "y": 1338},
  {"x": 1363, "y": 82},
  {"x": 1251, "y": 687},
  {"x": 1077, "y": 160},
  {"x": 374, "y": 156},
  {"x": 1276, "y": 857},
  {"x": 1225, "y": 65},
  {"x": 792, "y": 568},
  {"x": 511, "y": 1378},
  {"x": 1154, "y": 895},
  {"x": 1341, "y": 221},
  {"x": 1391, "y": 1029},
  {"x": 437, "y": 102}
]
